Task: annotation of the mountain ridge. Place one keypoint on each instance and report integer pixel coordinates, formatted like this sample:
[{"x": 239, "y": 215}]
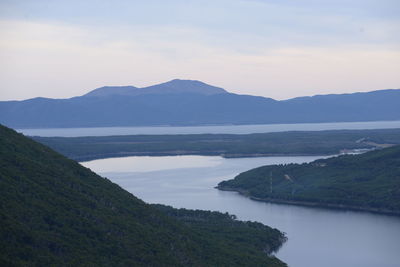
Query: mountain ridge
[
  {"x": 173, "y": 104},
  {"x": 173, "y": 86}
]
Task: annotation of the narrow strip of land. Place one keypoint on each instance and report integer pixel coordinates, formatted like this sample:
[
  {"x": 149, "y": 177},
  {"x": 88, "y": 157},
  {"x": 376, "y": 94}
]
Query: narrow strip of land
[{"x": 226, "y": 145}]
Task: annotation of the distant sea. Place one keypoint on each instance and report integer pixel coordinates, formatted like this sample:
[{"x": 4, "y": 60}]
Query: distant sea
[{"x": 217, "y": 129}]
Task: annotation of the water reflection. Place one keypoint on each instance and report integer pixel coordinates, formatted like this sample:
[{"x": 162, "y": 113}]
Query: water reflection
[{"x": 317, "y": 237}]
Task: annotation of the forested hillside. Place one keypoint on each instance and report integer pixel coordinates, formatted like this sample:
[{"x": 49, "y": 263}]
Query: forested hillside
[
  {"x": 54, "y": 212},
  {"x": 369, "y": 181}
]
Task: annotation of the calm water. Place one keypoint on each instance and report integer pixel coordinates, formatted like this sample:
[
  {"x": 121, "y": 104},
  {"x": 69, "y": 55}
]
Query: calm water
[
  {"x": 228, "y": 129},
  {"x": 317, "y": 237}
]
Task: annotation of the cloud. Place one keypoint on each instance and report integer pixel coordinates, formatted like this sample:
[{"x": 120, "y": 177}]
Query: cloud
[{"x": 236, "y": 24}]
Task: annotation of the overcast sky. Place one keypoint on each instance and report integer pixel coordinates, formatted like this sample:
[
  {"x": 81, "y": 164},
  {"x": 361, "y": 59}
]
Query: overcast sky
[{"x": 277, "y": 48}]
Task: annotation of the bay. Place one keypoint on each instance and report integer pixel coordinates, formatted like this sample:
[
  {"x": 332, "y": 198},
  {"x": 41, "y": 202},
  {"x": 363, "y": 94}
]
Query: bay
[
  {"x": 317, "y": 237},
  {"x": 216, "y": 129}
]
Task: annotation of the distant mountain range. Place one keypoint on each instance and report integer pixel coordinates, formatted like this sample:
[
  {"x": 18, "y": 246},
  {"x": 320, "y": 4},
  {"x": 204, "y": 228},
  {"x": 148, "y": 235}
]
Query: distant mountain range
[{"x": 187, "y": 102}]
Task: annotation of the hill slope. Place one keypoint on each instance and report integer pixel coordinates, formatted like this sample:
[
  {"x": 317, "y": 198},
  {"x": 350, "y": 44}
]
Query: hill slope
[
  {"x": 55, "y": 212},
  {"x": 369, "y": 181},
  {"x": 181, "y": 102}
]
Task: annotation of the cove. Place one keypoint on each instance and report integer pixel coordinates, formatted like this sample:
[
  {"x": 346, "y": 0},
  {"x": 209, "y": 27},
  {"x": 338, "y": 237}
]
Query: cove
[{"x": 317, "y": 237}]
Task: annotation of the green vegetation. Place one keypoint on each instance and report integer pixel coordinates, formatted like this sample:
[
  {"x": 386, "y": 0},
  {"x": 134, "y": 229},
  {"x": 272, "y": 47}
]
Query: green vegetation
[
  {"x": 369, "y": 181},
  {"x": 227, "y": 145},
  {"x": 54, "y": 212},
  {"x": 252, "y": 235}
]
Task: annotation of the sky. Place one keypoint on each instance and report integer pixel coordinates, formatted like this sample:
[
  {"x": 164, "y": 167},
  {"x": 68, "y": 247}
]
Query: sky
[{"x": 273, "y": 48}]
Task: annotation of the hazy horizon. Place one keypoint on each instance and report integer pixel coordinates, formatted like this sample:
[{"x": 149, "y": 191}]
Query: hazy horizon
[
  {"x": 274, "y": 49},
  {"x": 89, "y": 90}
]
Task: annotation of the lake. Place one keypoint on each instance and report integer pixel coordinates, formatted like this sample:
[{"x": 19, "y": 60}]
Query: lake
[
  {"x": 220, "y": 129},
  {"x": 317, "y": 237}
]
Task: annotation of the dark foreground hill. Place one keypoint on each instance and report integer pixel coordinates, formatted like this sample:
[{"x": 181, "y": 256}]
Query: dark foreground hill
[
  {"x": 54, "y": 212},
  {"x": 184, "y": 102},
  {"x": 369, "y": 182}
]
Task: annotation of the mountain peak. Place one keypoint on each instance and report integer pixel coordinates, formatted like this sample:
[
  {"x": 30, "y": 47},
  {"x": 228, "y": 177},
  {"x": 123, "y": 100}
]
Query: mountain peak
[
  {"x": 185, "y": 86},
  {"x": 175, "y": 86}
]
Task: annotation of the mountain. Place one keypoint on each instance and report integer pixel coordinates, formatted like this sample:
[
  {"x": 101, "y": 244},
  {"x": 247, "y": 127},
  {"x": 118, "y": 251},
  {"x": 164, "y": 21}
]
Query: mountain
[
  {"x": 369, "y": 182},
  {"x": 172, "y": 87},
  {"x": 185, "y": 102},
  {"x": 55, "y": 212}
]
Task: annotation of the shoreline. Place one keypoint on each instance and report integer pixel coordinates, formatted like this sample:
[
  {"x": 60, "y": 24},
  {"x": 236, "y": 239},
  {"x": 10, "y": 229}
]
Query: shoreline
[
  {"x": 179, "y": 125},
  {"x": 310, "y": 204}
]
